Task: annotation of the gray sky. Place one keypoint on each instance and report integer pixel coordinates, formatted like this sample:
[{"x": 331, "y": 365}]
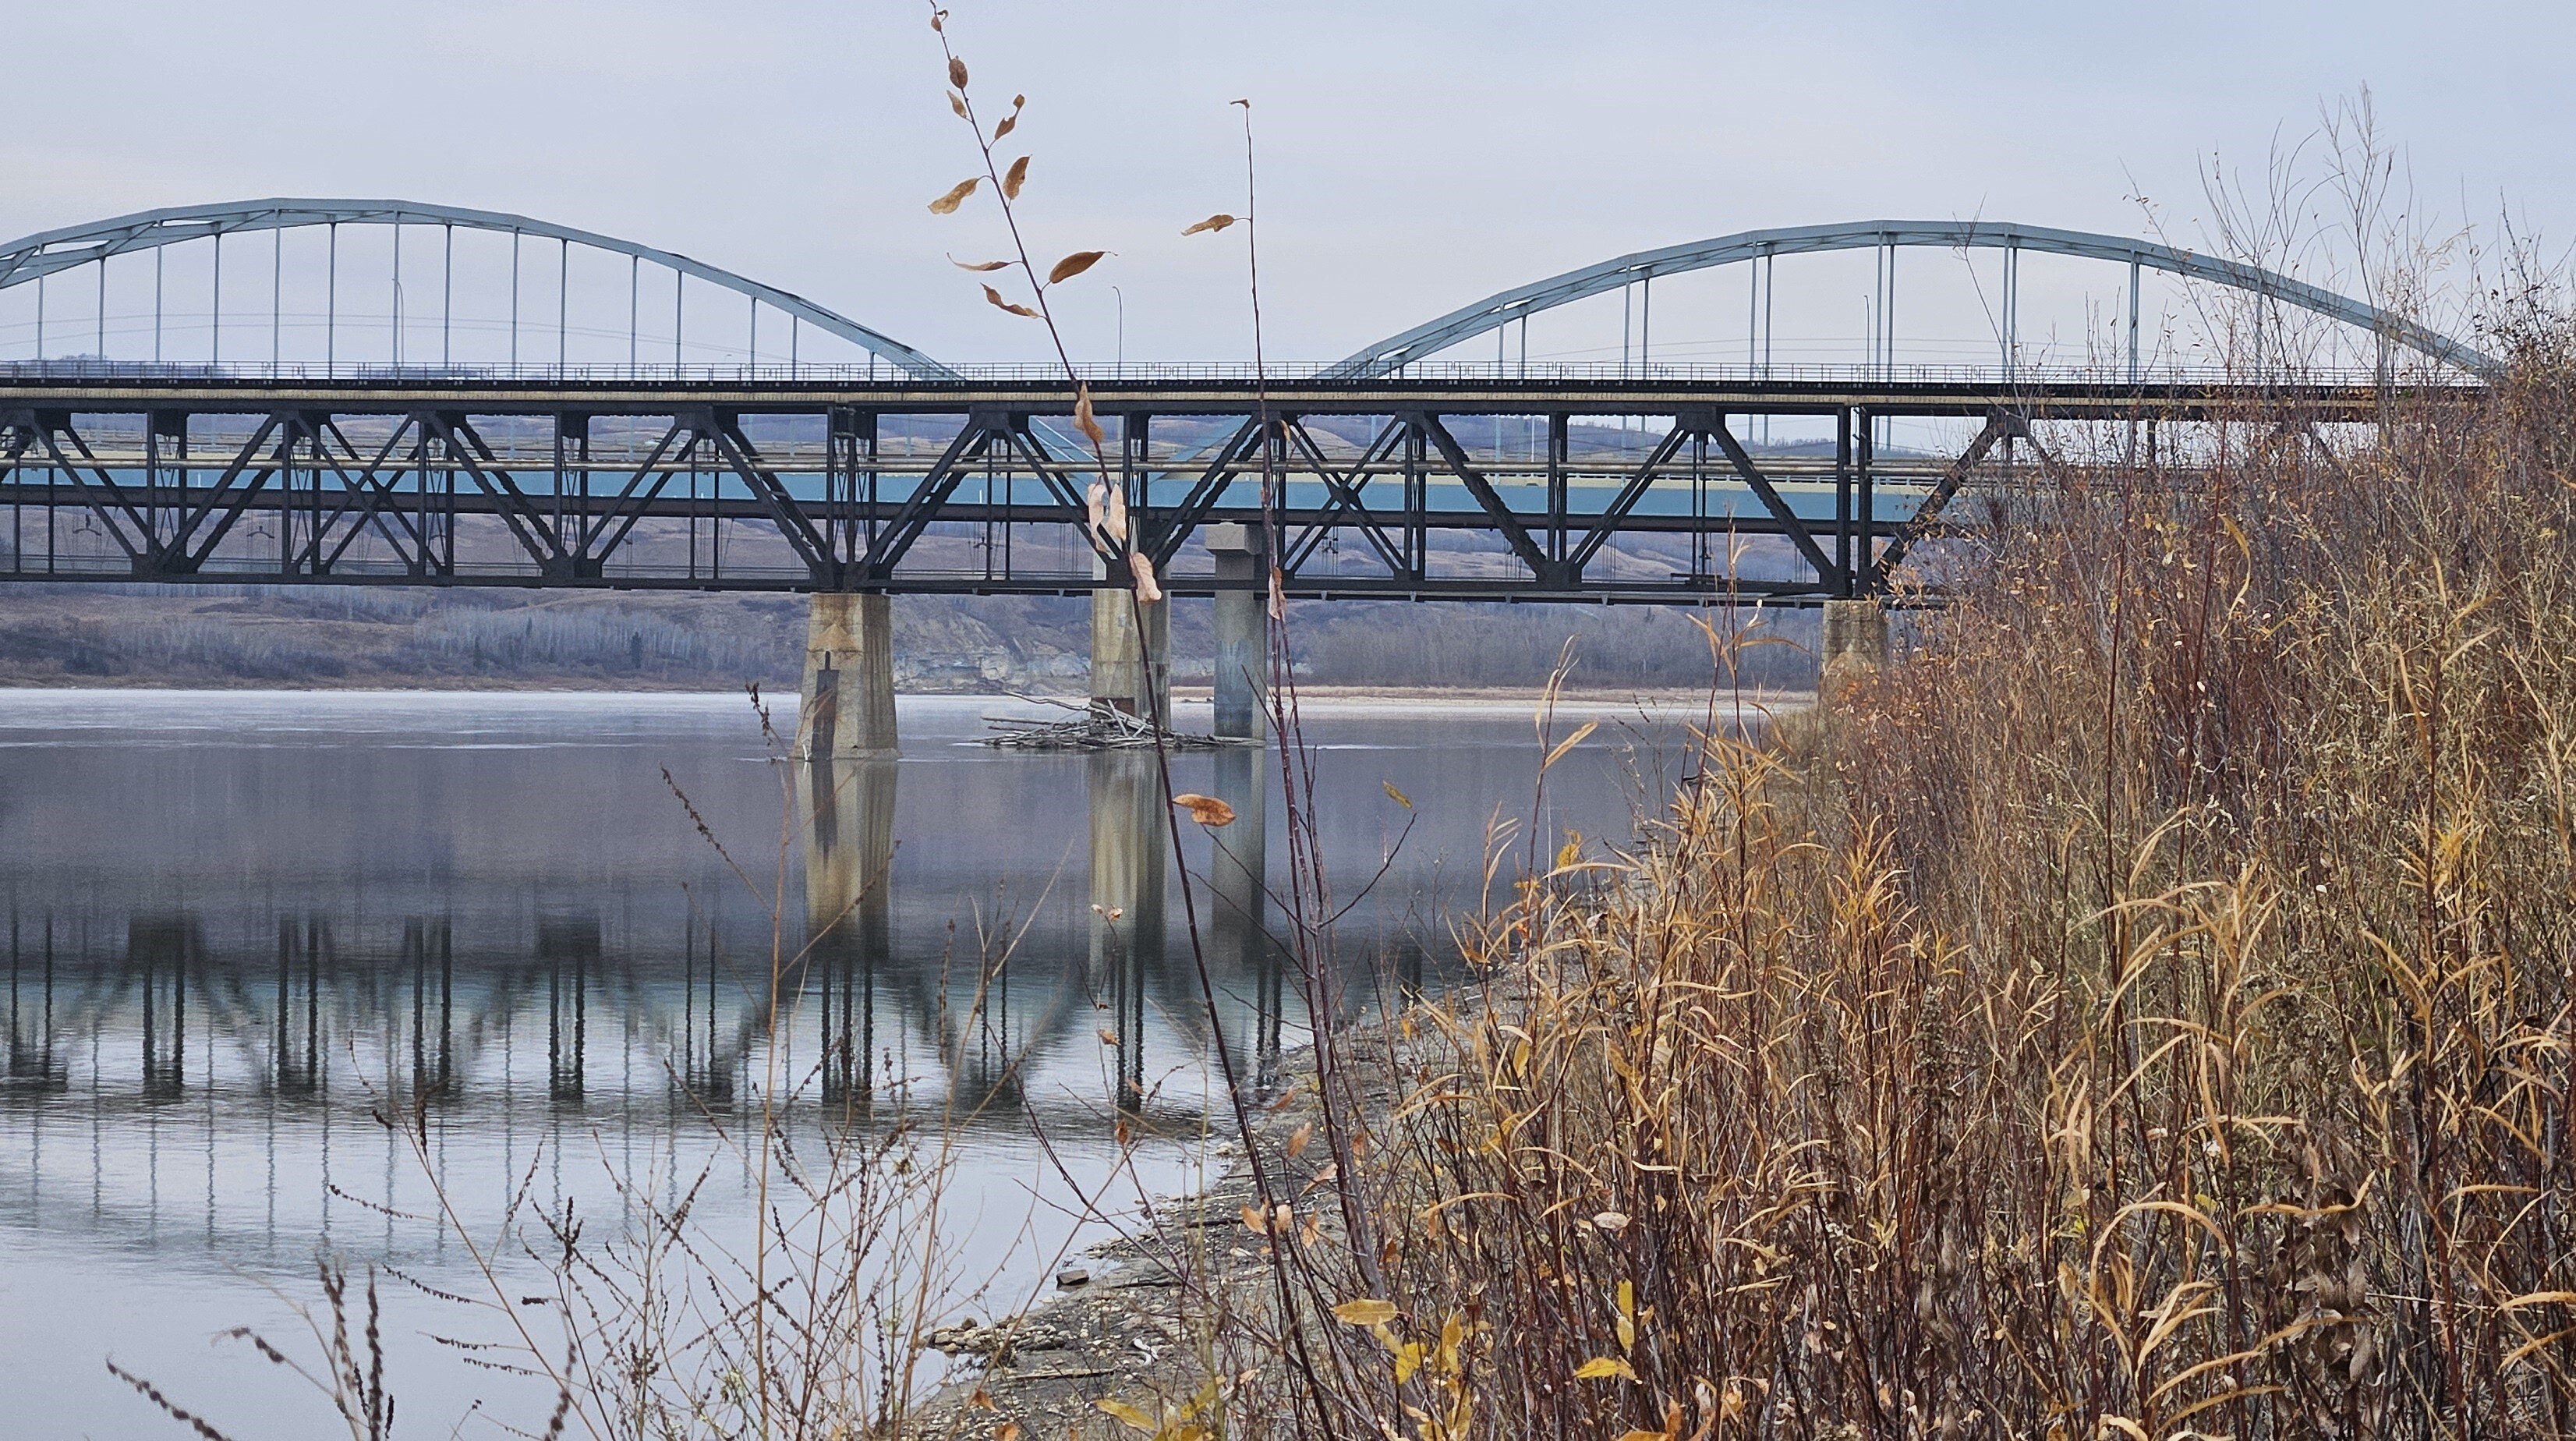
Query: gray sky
[{"x": 1414, "y": 156}]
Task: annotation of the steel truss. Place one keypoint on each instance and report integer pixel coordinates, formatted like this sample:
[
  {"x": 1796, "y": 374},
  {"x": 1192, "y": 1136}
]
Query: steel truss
[{"x": 197, "y": 480}]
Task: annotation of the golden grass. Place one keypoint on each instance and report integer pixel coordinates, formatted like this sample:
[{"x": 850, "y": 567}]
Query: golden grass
[{"x": 2152, "y": 1021}]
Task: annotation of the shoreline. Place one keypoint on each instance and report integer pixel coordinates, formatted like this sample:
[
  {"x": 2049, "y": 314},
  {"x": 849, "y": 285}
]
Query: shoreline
[{"x": 1335, "y": 696}]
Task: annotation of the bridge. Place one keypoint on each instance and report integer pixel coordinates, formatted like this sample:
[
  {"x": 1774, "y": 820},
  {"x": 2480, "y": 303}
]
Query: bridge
[{"x": 411, "y": 447}]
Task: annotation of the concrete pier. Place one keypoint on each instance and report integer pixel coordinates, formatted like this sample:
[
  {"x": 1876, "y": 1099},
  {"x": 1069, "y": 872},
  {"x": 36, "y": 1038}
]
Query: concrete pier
[
  {"x": 1242, "y": 630},
  {"x": 847, "y": 709},
  {"x": 1855, "y": 640},
  {"x": 1131, "y": 672}
]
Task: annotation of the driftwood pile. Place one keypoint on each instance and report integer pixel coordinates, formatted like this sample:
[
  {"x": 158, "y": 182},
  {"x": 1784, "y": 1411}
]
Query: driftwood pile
[{"x": 1098, "y": 726}]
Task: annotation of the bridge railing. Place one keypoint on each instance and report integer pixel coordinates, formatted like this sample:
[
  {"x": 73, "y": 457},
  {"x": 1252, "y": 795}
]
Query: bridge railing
[{"x": 967, "y": 377}]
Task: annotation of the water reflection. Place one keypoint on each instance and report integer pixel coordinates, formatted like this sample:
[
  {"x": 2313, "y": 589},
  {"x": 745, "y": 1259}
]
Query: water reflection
[{"x": 241, "y": 929}]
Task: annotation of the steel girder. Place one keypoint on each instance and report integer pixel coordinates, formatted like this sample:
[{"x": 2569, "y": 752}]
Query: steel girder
[{"x": 170, "y": 480}]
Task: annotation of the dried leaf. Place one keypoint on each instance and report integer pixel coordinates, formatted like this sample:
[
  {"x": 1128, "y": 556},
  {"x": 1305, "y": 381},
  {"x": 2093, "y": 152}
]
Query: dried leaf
[
  {"x": 956, "y": 72},
  {"x": 1014, "y": 178},
  {"x": 1397, "y": 796},
  {"x": 1094, "y": 504},
  {"x": 1299, "y": 1139},
  {"x": 939, "y": 21},
  {"x": 1611, "y": 1221},
  {"x": 957, "y": 103},
  {"x": 978, "y": 266},
  {"x": 1256, "y": 1220},
  {"x": 1207, "y": 811},
  {"x": 1007, "y": 1431},
  {"x": 983, "y": 1400},
  {"x": 1368, "y": 1311},
  {"x": 1134, "y": 1418},
  {"x": 1600, "y": 1366},
  {"x": 1213, "y": 222},
  {"x": 1009, "y": 123},
  {"x": 1083, "y": 418},
  {"x": 948, "y": 203},
  {"x": 1581, "y": 734},
  {"x": 1148, "y": 590},
  {"x": 1074, "y": 264},
  {"x": 995, "y": 296},
  {"x": 1108, "y": 1037},
  {"x": 1115, "y": 521}
]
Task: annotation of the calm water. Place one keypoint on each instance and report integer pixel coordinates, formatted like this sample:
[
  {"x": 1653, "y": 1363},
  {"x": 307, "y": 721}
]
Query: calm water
[{"x": 236, "y": 922}]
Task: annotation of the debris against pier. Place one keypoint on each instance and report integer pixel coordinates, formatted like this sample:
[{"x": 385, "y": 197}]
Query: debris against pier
[{"x": 1098, "y": 726}]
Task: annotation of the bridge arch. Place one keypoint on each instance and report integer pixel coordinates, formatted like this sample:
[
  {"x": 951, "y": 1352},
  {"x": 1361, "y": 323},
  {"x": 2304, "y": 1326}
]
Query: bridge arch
[
  {"x": 1495, "y": 311},
  {"x": 33, "y": 257}
]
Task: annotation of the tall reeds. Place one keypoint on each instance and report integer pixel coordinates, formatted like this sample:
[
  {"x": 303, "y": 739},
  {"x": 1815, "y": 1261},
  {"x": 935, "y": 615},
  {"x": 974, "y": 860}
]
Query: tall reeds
[{"x": 2146, "y": 1015}]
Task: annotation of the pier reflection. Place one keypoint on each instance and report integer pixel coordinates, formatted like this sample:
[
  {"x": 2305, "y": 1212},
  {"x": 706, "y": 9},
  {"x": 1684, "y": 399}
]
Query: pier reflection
[{"x": 206, "y": 1025}]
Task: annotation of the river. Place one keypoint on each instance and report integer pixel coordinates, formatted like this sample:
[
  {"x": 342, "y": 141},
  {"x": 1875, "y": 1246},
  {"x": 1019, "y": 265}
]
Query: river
[{"x": 243, "y": 927}]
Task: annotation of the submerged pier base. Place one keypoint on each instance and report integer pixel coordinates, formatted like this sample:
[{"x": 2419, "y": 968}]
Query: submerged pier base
[
  {"x": 847, "y": 707},
  {"x": 1242, "y": 630},
  {"x": 1132, "y": 670}
]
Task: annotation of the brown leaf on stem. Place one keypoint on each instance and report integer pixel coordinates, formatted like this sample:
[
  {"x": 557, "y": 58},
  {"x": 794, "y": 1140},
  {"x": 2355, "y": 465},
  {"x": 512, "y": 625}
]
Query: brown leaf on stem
[
  {"x": 956, "y": 72},
  {"x": 948, "y": 203},
  {"x": 995, "y": 296},
  {"x": 939, "y": 21},
  {"x": 1014, "y": 178},
  {"x": 957, "y": 103},
  {"x": 1083, "y": 419},
  {"x": 978, "y": 265},
  {"x": 1074, "y": 264},
  {"x": 1009, "y": 123},
  {"x": 1108, "y": 1037},
  {"x": 1213, "y": 222},
  {"x": 1148, "y": 589},
  {"x": 1206, "y": 810}
]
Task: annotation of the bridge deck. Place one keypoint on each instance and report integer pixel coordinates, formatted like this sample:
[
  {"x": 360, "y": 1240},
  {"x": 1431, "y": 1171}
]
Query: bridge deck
[{"x": 1583, "y": 488}]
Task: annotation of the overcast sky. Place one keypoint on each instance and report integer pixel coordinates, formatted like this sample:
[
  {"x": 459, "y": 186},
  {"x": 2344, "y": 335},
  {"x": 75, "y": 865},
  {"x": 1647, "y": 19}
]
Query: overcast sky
[{"x": 1414, "y": 156}]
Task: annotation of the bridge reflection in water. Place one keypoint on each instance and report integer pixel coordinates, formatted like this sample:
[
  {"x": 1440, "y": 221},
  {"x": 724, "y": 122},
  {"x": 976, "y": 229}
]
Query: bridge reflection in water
[{"x": 219, "y": 1067}]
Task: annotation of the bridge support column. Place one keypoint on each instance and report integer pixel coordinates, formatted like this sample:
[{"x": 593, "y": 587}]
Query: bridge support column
[
  {"x": 1131, "y": 670},
  {"x": 846, "y": 711},
  {"x": 1242, "y": 630},
  {"x": 1855, "y": 640}
]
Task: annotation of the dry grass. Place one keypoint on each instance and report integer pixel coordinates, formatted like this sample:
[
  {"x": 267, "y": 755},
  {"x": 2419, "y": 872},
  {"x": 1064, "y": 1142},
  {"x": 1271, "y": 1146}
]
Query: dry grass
[{"x": 2155, "y": 1024}]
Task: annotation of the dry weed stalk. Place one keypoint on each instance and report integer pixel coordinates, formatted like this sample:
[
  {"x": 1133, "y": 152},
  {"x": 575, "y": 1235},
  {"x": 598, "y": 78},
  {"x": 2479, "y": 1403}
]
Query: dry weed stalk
[{"x": 2156, "y": 1024}]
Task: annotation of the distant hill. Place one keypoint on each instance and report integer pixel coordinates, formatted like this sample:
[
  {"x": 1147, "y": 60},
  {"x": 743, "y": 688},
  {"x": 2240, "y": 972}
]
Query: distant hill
[{"x": 113, "y": 634}]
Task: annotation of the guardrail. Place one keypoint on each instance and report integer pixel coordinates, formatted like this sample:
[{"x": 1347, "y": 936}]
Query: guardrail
[{"x": 2034, "y": 378}]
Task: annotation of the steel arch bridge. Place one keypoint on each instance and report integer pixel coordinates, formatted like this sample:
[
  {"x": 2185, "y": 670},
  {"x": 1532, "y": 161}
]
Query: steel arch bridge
[
  {"x": 1397, "y": 474},
  {"x": 34, "y": 258}
]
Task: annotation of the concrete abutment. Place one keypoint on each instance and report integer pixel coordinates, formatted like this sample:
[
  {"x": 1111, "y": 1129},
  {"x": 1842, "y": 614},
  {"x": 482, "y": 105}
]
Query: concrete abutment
[
  {"x": 1855, "y": 640},
  {"x": 1131, "y": 669},
  {"x": 846, "y": 709},
  {"x": 1242, "y": 630}
]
